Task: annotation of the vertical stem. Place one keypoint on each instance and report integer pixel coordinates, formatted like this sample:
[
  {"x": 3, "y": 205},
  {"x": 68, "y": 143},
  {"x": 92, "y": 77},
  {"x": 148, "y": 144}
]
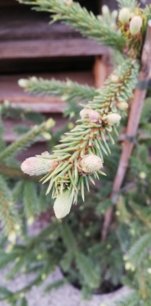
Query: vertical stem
[{"x": 131, "y": 130}]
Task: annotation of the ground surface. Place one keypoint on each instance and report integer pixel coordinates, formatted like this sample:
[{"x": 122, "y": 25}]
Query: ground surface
[{"x": 65, "y": 295}]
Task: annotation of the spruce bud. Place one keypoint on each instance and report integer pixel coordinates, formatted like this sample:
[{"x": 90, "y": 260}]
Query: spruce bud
[
  {"x": 12, "y": 237},
  {"x": 89, "y": 114},
  {"x": 124, "y": 15},
  {"x": 136, "y": 25},
  {"x": 68, "y": 2},
  {"x": 129, "y": 266},
  {"x": 38, "y": 165},
  {"x": 22, "y": 83},
  {"x": 122, "y": 106},
  {"x": 114, "y": 78},
  {"x": 91, "y": 163},
  {"x": 62, "y": 205},
  {"x": 113, "y": 118},
  {"x": 105, "y": 10}
]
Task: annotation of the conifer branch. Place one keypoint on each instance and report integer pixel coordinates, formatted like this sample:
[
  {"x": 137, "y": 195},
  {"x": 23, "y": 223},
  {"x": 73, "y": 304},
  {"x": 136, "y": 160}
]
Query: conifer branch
[
  {"x": 26, "y": 139},
  {"x": 118, "y": 87},
  {"x": 87, "y": 23},
  {"x": 68, "y": 91},
  {"x": 136, "y": 255},
  {"x": 14, "y": 172},
  {"x": 79, "y": 156},
  {"x": 8, "y": 214}
]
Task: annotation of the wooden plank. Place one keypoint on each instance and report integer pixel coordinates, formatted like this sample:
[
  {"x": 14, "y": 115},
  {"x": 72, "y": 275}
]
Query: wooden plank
[
  {"x": 18, "y": 24},
  {"x": 9, "y": 90},
  {"x": 47, "y": 49},
  {"x": 8, "y": 3},
  {"x": 28, "y": 34}
]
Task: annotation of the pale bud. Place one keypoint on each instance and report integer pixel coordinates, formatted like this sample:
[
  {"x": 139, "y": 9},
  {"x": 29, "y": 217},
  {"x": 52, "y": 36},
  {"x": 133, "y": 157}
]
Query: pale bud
[
  {"x": 33, "y": 79},
  {"x": 105, "y": 10},
  {"x": 91, "y": 163},
  {"x": 113, "y": 118},
  {"x": 149, "y": 270},
  {"x": 89, "y": 114},
  {"x": 122, "y": 106},
  {"x": 124, "y": 15},
  {"x": 17, "y": 227},
  {"x": 114, "y": 78},
  {"x": 30, "y": 220},
  {"x": 68, "y": 2},
  {"x": 38, "y": 165},
  {"x": 129, "y": 266},
  {"x": 22, "y": 83},
  {"x": 49, "y": 123},
  {"x": 136, "y": 25},
  {"x": 142, "y": 175},
  {"x": 62, "y": 205},
  {"x": 12, "y": 237}
]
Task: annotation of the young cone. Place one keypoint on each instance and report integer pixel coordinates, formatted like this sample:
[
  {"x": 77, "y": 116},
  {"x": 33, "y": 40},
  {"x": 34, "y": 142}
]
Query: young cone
[
  {"x": 124, "y": 15},
  {"x": 90, "y": 115},
  {"x": 113, "y": 118},
  {"x": 91, "y": 163},
  {"x": 136, "y": 25},
  {"x": 38, "y": 165}
]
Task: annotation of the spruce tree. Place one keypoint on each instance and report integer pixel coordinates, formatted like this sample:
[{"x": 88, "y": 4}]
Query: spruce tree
[{"x": 86, "y": 153}]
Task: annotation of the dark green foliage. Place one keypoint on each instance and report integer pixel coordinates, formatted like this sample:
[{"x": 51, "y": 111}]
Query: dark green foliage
[{"x": 85, "y": 261}]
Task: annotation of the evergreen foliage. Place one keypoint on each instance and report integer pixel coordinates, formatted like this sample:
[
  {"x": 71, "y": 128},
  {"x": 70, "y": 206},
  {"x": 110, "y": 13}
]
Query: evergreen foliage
[
  {"x": 88, "y": 24},
  {"x": 118, "y": 87},
  {"x": 26, "y": 140},
  {"x": 92, "y": 264},
  {"x": 9, "y": 218}
]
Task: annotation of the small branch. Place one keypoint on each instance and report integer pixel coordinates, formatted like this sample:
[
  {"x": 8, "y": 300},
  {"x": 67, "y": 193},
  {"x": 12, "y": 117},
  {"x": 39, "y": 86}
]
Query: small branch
[
  {"x": 13, "y": 172},
  {"x": 131, "y": 130}
]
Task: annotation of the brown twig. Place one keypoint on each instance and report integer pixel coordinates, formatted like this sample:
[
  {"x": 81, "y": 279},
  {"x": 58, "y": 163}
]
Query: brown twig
[{"x": 131, "y": 130}]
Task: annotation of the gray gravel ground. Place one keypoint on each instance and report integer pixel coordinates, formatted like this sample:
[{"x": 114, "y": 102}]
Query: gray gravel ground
[{"x": 65, "y": 295}]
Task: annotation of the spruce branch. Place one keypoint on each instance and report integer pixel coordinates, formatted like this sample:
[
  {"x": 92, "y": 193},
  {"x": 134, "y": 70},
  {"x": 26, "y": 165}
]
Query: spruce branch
[
  {"x": 69, "y": 91},
  {"x": 26, "y": 139},
  {"x": 14, "y": 172},
  {"x": 8, "y": 214},
  {"x": 87, "y": 23},
  {"x": 79, "y": 156},
  {"x": 139, "y": 251}
]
